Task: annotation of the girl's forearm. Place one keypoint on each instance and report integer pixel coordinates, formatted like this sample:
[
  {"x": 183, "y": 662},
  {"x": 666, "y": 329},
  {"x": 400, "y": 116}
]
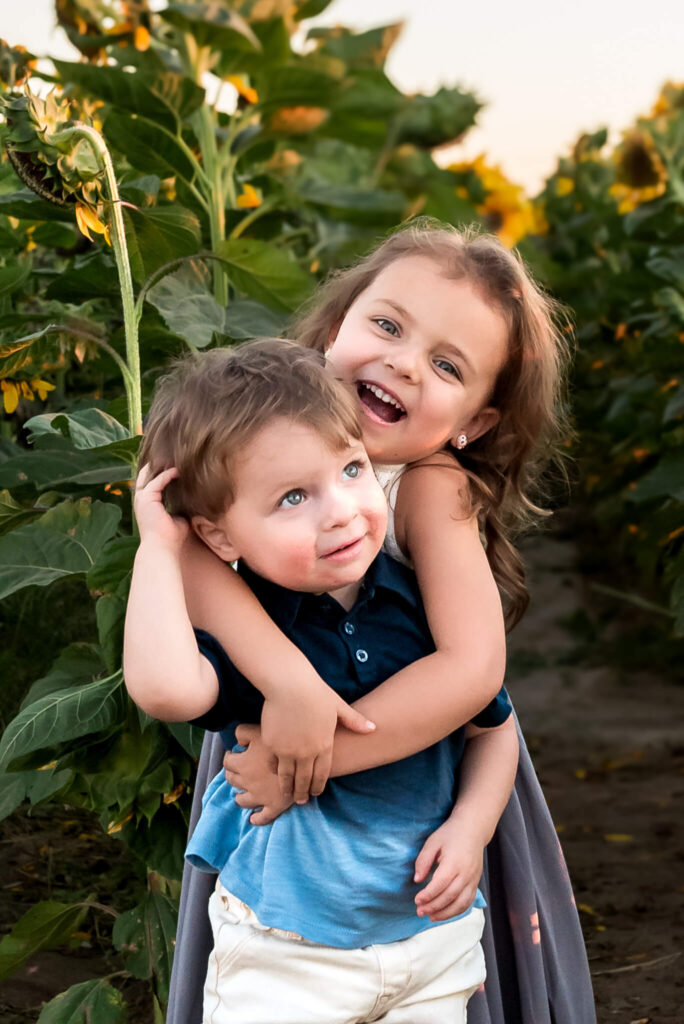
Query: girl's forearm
[
  {"x": 488, "y": 770},
  {"x": 219, "y": 601},
  {"x": 419, "y": 706}
]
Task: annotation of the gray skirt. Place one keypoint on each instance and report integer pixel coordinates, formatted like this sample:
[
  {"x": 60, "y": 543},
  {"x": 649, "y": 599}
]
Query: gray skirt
[{"x": 537, "y": 971}]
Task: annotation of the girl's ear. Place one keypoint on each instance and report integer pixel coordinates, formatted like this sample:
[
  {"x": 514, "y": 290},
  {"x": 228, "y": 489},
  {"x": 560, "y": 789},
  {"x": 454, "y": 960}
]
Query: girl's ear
[
  {"x": 483, "y": 421},
  {"x": 215, "y": 537}
]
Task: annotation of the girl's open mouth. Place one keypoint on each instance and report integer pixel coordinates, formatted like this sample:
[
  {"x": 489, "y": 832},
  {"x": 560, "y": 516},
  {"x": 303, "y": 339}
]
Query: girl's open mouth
[{"x": 380, "y": 404}]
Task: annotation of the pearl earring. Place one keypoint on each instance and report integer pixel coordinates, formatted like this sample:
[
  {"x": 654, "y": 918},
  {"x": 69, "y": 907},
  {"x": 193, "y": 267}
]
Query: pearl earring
[{"x": 461, "y": 441}]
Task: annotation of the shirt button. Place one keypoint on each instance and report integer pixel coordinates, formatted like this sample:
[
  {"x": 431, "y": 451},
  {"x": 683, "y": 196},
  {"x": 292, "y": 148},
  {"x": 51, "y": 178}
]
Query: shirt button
[
  {"x": 348, "y": 628},
  {"x": 362, "y": 656}
]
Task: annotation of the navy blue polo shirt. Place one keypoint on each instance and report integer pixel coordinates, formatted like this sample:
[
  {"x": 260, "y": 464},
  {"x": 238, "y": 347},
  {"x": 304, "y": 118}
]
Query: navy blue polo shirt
[{"x": 339, "y": 869}]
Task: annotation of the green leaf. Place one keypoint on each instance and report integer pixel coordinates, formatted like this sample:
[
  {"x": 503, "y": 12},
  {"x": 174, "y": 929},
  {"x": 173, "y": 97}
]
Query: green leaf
[
  {"x": 147, "y": 146},
  {"x": 245, "y": 319},
  {"x": 310, "y": 8},
  {"x": 294, "y": 86},
  {"x": 66, "y": 540},
  {"x": 430, "y": 121},
  {"x": 212, "y": 25},
  {"x": 669, "y": 265},
  {"x": 11, "y": 511},
  {"x": 189, "y": 736},
  {"x": 12, "y": 792},
  {"x": 66, "y": 715},
  {"x": 56, "y": 467},
  {"x": 13, "y": 276},
  {"x": 110, "y": 612},
  {"x": 666, "y": 480},
  {"x": 26, "y": 205},
  {"x": 87, "y": 428},
  {"x": 163, "y": 98},
  {"x": 185, "y": 301},
  {"x": 354, "y": 204},
  {"x": 76, "y": 665},
  {"x": 145, "y": 936},
  {"x": 91, "y": 278},
  {"x": 672, "y": 300},
  {"x": 15, "y": 354},
  {"x": 265, "y": 273},
  {"x": 90, "y": 1002},
  {"x": 45, "y": 926},
  {"x": 675, "y": 406},
  {"x": 114, "y": 565},
  {"x": 162, "y": 234}
]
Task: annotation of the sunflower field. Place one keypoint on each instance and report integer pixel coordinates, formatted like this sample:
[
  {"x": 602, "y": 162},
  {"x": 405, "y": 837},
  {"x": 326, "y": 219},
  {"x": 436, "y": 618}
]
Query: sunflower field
[
  {"x": 186, "y": 183},
  {"x": 612, "y": 251}
]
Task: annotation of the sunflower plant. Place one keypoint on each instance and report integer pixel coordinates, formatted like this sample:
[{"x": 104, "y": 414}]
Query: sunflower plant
[
  {"x": 614, "y": 254},
  {"x": 232, "y": 169}
]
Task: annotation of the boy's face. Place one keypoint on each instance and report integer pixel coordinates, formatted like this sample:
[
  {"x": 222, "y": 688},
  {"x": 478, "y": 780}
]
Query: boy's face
[{"x": 304, "y": 516}]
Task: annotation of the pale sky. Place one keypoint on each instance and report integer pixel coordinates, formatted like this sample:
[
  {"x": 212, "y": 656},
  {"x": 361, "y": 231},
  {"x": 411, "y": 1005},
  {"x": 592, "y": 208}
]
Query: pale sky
[{"x": 546, "y": 70}]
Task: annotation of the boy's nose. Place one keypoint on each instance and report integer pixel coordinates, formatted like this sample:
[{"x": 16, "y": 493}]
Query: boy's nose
[{"x": 340, "y": 508}]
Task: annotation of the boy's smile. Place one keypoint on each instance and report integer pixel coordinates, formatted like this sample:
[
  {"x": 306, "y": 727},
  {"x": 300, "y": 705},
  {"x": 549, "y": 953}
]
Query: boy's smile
[
  {"x": 423, "y": 353},
  {"x": 305, "y": 516}
]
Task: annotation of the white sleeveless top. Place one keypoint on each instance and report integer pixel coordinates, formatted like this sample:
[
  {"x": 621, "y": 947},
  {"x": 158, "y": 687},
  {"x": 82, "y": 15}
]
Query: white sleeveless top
[{"x": 388, "y": 478}]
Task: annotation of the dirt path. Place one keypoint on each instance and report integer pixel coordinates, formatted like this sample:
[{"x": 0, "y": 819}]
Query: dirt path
[{"x": 609, "y": 752}]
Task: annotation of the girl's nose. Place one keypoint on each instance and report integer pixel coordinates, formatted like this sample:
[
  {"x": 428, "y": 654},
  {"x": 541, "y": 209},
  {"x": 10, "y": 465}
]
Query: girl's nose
[{"x": 404, "y": 360}]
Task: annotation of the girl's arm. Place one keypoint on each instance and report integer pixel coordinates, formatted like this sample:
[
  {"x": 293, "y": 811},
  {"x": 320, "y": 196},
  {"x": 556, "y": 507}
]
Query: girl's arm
[
  {"x": 435, "y": 695},
  {"x": 488, "y": 768},
  {"x": 301, "y": 711}
]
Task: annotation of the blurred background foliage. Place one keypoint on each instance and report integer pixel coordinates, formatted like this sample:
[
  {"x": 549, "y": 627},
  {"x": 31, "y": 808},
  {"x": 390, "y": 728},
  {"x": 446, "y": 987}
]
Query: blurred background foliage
[{"x": 231, "y": 217}]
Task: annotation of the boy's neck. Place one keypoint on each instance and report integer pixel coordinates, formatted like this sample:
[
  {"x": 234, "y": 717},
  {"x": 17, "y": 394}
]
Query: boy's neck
[{"x": 346, "y": 596}]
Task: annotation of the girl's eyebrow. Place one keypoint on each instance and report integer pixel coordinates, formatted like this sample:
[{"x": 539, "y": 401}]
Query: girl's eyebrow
[{"x": 399, "y": 309}]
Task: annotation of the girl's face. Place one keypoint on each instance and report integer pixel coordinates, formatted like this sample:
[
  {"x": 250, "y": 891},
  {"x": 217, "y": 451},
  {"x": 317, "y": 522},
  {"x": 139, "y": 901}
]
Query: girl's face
[{"x": 423, "y": 353}]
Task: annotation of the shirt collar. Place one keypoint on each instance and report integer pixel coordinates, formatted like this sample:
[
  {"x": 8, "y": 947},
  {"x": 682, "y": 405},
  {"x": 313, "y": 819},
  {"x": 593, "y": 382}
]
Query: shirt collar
[{"x": 283, "y": 605}]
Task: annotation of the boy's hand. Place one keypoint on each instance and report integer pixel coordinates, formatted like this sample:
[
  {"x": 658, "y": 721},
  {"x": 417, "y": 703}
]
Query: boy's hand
[
  {"x": 254, "y": 772},
  {"x": 298, "y": 725},
  {"x": 452, "y": 888},
  {"x": 154, "y": 522}
]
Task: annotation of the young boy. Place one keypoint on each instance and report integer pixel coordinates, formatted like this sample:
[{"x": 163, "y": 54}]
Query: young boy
[{"x": 314, "y": 915}]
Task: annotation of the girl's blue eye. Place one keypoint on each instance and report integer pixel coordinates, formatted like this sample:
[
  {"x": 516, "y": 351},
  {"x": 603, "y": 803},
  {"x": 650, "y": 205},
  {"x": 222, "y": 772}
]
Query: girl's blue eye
[
  {"x": 292, "y": 499},
  {"x": 353, "y": 470},
  {"x": 444, "y": 364},
  {"x": 388, "y": 326}
]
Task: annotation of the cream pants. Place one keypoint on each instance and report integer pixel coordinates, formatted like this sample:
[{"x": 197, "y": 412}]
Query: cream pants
[{"x": 260, "y": 975}]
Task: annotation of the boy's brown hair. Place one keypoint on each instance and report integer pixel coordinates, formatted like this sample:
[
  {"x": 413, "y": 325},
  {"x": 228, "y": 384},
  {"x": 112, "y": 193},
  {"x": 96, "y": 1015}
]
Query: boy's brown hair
[{"x": 209, "y": 407}]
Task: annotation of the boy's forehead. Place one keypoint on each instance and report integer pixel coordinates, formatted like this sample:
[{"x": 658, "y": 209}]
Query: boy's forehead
[{"x": 284, "y": 446}]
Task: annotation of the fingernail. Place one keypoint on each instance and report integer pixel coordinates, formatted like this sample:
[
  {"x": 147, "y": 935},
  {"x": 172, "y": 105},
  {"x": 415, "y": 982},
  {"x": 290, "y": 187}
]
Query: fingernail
[{"x": 370, "y": 725}]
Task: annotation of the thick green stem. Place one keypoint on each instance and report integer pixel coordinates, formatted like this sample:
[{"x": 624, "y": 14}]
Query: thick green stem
[
  {"x": 118, "y": 236},
  {"x": 217, "y": 214}
]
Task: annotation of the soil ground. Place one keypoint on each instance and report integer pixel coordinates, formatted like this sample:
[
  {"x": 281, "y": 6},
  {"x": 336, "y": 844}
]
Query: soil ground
[{"x": 609, "y": 750}]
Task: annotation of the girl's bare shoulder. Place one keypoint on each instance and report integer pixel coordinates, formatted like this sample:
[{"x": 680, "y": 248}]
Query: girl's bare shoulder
[{"x": 439, "y": 477}]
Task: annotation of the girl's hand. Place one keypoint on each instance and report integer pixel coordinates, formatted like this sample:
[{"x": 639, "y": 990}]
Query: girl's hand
[
  {"x": 254, "y": 773},
  {"x": 452, "y": 888},
  {"x": 298, "y": 725},
  {"x": 154, "y": 522}
]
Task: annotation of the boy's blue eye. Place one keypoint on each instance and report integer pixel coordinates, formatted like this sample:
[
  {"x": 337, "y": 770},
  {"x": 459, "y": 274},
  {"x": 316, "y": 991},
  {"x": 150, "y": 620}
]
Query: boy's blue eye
[
  {"x": 292, "y": 499},
  {"x": 353, "y": 469},
  {"x": 387, "y": 325}
]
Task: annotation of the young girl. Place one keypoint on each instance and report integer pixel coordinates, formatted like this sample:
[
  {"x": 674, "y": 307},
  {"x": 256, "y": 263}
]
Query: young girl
[{"x": 457, "y": 366}]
